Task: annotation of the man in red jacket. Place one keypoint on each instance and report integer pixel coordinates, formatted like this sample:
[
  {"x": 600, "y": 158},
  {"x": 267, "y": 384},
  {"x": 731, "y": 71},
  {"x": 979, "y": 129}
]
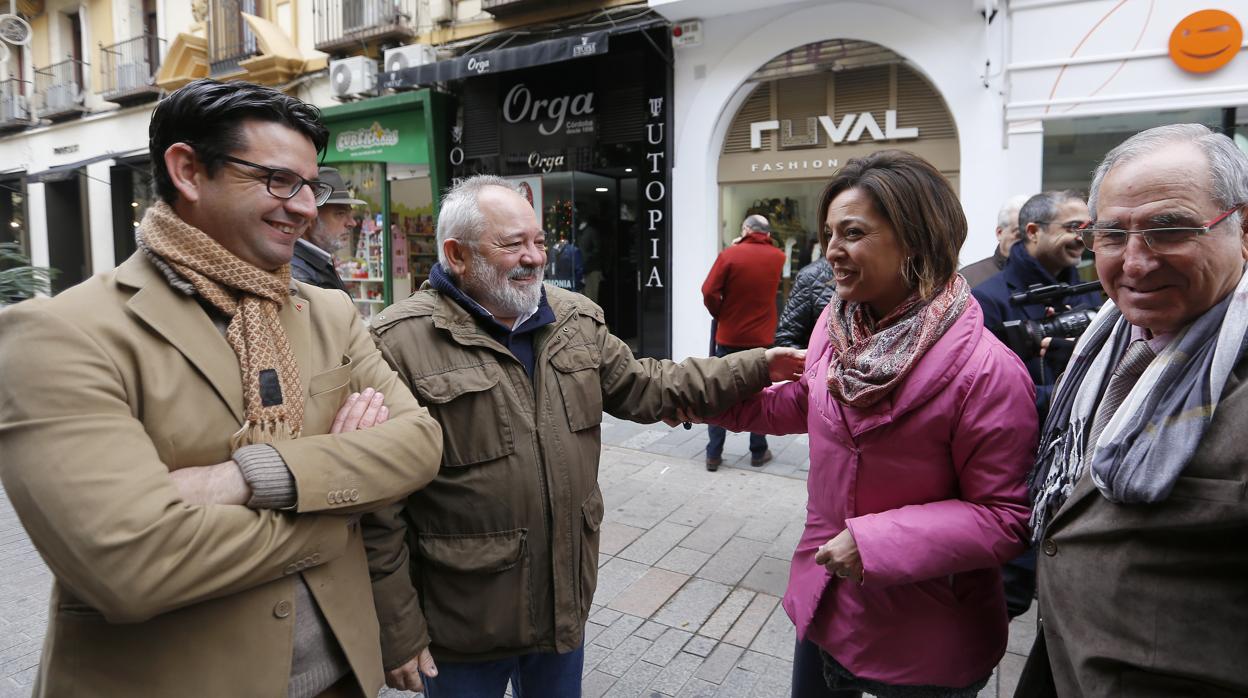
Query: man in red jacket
[{"x": 740, "y": 293}]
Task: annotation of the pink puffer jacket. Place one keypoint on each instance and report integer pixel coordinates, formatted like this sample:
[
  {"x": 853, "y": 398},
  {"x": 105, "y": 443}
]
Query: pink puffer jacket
[{"x": 930, "y": 480}]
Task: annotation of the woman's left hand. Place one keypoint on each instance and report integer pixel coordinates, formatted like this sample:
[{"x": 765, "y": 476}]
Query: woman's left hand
[
  {"x": 785, "y": 364},
  {"x": 840, "y": 556}
]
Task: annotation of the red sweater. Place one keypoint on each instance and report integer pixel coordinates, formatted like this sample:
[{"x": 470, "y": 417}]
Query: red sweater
[{"x": 740, "y": 292}]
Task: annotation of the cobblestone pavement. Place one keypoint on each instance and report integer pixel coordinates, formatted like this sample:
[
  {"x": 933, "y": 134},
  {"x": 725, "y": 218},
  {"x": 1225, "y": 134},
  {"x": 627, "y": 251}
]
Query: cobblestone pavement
[{"x": 692, "y": 569}]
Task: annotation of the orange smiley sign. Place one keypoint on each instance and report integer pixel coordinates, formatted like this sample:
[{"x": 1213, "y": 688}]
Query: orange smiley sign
[{"x": 1205, "y": 41}]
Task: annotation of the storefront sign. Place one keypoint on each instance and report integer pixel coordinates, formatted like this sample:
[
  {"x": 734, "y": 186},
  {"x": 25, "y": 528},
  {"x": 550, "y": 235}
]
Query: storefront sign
[
  {"x": 655, "y": 190},
  {"x": 377, "y": 139},
  {"x": 825, "y": 165},
  {"x": 545, "y": 163},
  {"x": 1205, "y": 41},
  {"x": 850, "y": 130},
  {"x": 549, "y": 114}
]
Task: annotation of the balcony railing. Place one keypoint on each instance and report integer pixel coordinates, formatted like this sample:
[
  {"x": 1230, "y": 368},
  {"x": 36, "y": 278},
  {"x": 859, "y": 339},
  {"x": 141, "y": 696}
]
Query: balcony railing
[
  {"x": 14, "y": 107},
  {"x": 344, "y": 24},
  {"x": 58, "y": 89},
  {"x": 129, "y": 69},
  {"x": 230, "y": 41}
]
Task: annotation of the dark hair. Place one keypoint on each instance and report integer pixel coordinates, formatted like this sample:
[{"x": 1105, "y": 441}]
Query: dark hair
[
  {"x": 1043, "y": 206},
  {"x": 209, "y": 115},
  {"x": 917, "y": 201}
]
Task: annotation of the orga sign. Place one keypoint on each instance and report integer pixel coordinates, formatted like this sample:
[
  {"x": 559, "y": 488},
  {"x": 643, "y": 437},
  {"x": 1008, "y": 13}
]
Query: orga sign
[
  {"x": 550, "y": 115},
  {"x": 849, "y": 130}
]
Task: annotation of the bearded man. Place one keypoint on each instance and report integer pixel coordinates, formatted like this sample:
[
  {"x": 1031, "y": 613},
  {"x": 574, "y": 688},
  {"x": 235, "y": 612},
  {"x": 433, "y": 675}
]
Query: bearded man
[{"x": 491, "y": 570}]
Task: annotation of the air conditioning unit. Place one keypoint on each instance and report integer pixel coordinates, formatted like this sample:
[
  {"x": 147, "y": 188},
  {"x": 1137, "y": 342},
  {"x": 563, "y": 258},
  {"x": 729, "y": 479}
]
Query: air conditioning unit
[
  {"x": 352, "y": 76},
  {"x": 132, "y": 76},
  {"x": 61, "y": 97},
  {"x": 409, "y": 56},
  {"x": 13, "y": 108}
]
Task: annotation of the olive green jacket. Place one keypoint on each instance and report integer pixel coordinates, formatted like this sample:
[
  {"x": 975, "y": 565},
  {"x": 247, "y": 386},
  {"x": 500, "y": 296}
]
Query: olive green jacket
[{"x": 499, "y": 555}]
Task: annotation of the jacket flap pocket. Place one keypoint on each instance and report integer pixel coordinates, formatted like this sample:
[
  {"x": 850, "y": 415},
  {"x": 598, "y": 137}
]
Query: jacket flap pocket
[
  {"x": 1209, "y": 489},
  {"x": 331, "y": 379},
  {"x": 441, "y": 388},
  {"x": 474, "y": 552},
  {"x": 593, "y": 510},
  {"x": 574, "y": 358}
]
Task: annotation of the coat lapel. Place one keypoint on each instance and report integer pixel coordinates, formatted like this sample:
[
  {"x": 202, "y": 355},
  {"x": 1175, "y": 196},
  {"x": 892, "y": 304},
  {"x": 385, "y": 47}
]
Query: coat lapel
[
  {"x": 181, "y": 321},
  {"x": 294, "y": 316}
]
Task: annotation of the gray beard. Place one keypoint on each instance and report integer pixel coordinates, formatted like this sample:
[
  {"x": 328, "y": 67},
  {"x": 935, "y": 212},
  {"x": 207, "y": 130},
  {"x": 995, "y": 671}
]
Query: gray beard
[{"x": 491, "y": 289}]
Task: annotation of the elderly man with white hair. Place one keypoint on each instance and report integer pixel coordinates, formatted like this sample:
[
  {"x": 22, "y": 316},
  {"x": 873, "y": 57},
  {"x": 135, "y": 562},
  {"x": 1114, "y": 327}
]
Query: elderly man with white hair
[
  {"x": 1139, "y": 488},
  {"x": 488, "y": 577}
]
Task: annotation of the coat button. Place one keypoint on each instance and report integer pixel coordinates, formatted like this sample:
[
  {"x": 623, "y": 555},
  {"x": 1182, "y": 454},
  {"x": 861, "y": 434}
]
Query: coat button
[
  {"x": 282, "y": 609},
  {"x": 291, "y": 569},
  {"x": 1049, "y": 547},
  {"x": 355, "y": 495},
  {"x": 316, "y": 558}
]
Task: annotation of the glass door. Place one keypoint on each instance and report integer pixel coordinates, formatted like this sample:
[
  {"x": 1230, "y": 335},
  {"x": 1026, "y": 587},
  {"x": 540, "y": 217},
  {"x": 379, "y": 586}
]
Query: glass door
[{"x": 413, "y": 248}]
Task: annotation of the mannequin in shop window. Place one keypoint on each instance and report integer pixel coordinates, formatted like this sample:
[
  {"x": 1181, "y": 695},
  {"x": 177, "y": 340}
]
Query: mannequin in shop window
[{"x": 566, "y": 265}]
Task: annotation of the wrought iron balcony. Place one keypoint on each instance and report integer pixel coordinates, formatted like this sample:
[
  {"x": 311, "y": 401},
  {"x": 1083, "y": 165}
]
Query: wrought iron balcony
[
  {"x": 58, "y": 89},
  {"x": 129, "y": 69},
  {"x": 344, "y": 24},
  {"x": 230, "y": 41},
  {"x": 14, "y": 106}
]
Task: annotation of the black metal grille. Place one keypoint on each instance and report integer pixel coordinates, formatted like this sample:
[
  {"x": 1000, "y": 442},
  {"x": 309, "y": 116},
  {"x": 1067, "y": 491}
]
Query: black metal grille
[
  {"x": 345, "y": 24},
  {"x": 58, "y": 88},
  {"x": 130, "y": 66},
  {"x": 230, "y": 40}
]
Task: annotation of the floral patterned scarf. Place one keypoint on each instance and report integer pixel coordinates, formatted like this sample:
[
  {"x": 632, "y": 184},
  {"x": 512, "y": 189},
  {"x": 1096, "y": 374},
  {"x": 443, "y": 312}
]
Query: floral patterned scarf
[{"x": 872, "y": 357}]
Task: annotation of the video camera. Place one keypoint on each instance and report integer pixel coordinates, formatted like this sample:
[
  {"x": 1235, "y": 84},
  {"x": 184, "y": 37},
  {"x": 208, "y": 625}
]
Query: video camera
[{"x": 1024, "y": 336}]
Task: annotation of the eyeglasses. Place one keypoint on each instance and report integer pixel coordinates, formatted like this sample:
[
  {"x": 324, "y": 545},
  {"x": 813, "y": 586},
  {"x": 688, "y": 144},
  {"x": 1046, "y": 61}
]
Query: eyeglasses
[
  {"x": 1112, "y": 241},
  {"x": 1068, "y": 226},
  {"x": 285, "y": 184}
]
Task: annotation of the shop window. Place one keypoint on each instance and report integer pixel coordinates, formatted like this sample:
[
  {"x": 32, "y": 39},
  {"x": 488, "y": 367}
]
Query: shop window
[
  {"x": 132, "y": 195},
  {"x": 13, "y": 213},
  {"x": 359, "y": 263}
]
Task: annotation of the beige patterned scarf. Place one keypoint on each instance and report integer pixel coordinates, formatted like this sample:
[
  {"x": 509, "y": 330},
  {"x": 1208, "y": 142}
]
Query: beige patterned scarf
[
  {"x": 251, "y": 298},
  {"x": 872, "y": 357}
]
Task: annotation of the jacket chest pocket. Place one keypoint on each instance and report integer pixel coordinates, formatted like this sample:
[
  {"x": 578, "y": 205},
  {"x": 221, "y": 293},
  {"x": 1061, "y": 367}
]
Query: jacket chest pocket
[
  {"x": 470, "y": 405},
  {"x": 326, "y": 393},
  {"x": 576, "y": 372}
]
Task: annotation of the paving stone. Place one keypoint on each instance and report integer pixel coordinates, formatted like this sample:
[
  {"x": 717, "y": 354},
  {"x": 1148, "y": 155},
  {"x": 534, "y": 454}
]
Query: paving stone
[
  {"x": 732, "y": 561},
  {"x": 633, "y": 683},
  {"x": 644, "y": 596},
  {"x": 693, "y": 604},
  {"x": 1008, "y": 672},
  {"x": 697, "y": 688},
  {"x": 701, "y": 645},
  {"x": 737, "y": 684},
  {"x": 765, "y": 528},
  {"x": 694, "y": 512},
  {"x": 648, "y": 510},
  {"x": 751, "y": 621},
  {"x": 768, "y": 576},
  {"x": 666, "y": 647},
  {"x": 676, "y": 674},
  {"x": 618, "y": 632},
  {"x": 614, "y": 537},
  {"x": 683, "y": 560},
  {"x": 1023, "y": 632},
  {"x": 776, "y": 637},
  {"x": 655, "y": 543},
  {"x": 721, "y": 661},
  {"x": 596, "y": 684},
  {"x": 616, "y": 576},
  {"x": 713, "y": 533},
  {"x": 592, "y": 631},
  {"x": 624, "y": 656},
  {"x": 764, "y": 664},
  {"x": 727, "y": 613},
  {"x": 783, "y": 546},
  {"x": 604, "y": 616},
  {"x": 622, "y": 493},
  {"x": 651, "y": 630},
  {"x": 593, "y": 655}
]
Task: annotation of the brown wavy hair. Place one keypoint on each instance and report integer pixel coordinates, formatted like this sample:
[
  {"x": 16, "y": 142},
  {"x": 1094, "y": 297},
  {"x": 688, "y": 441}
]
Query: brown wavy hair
[{"x": 917, "y": 201}]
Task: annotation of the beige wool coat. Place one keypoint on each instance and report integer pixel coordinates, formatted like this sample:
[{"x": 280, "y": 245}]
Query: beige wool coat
[{"x": 114, "y": 383}]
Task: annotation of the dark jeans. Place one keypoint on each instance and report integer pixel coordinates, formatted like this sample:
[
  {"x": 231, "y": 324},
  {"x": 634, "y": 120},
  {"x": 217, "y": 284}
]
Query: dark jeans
[
  {"x": 715, "y": 447},
  {"x": 808, "y": 681},
  {"x": 532, "y": 676}
]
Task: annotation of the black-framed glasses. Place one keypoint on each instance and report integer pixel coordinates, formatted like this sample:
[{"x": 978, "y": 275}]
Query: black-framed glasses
[
  {"x": 285, "y": 184},
  {"x": 1068, "y": 226},
  {"x": 1112, "y": 241}
]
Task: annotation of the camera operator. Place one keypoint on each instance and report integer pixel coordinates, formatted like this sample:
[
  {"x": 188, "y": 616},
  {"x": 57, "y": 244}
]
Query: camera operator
[{"x": 1047, "y": 254}]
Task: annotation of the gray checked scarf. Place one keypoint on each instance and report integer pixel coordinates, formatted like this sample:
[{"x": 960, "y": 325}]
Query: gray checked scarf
[{"x": 1159, "y": 424}]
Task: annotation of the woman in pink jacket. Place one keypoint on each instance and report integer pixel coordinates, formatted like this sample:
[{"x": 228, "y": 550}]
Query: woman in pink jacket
[{"x": 922, "y": 429}]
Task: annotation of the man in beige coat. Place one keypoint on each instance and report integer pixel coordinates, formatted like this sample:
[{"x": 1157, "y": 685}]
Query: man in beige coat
[
  {"x": 166, "y": 432},
  {"x": 1141, "y": 515},
  {"x": 488, "y": 574}
]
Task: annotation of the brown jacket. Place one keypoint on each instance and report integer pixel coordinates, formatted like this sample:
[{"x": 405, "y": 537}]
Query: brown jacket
[
  {"x": 1151, "y": 600},
  {"x": 499, "y": 555},
  {"x": 112, "y": 384}
]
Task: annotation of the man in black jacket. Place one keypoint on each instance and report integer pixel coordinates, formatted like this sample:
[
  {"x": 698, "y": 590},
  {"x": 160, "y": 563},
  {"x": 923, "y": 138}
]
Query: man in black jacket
[
  {"x": 811, "y": 292},
  {"x": 313, "y": 262}
]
